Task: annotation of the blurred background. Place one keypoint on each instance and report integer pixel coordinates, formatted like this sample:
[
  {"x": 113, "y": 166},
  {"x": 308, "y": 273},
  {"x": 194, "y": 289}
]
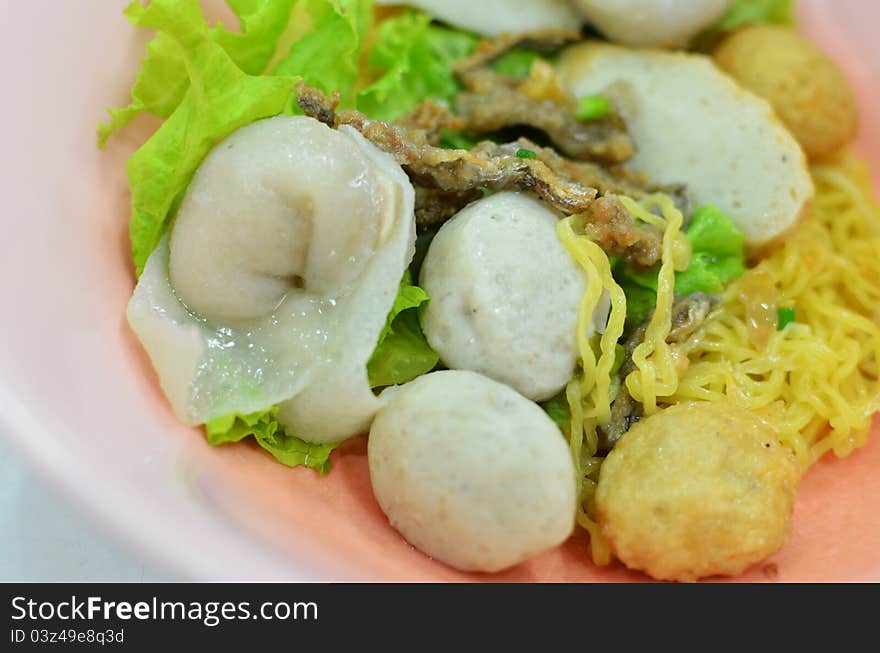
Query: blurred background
[{"x": 46, "y": 539}]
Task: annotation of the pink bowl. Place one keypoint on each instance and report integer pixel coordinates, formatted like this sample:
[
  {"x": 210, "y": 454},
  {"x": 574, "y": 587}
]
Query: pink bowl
[{"x": 78, "y": 396}]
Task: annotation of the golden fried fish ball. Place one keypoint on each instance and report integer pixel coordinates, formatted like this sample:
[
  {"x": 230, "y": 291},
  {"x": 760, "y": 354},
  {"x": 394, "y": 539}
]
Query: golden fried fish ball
[
  {"x": 696, "y": 490},
  {"x": 807, "y": 90}
]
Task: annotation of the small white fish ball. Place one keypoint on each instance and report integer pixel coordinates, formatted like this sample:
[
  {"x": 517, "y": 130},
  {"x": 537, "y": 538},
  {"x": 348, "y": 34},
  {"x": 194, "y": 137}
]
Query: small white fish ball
[
  {"x": 505, "y": 295},
  {"x": 470, "y": 472}
]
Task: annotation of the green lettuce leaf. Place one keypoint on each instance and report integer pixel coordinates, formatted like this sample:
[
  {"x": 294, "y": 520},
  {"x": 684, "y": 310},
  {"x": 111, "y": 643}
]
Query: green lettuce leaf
[
  {"x": 559, "y": 411},
  {"x": 717, "y": 253},
  {"x": 747, "y": 12},
  {"x": 220, "y": 99},
  {"x": 164, "y": 79},
  {"x": 161, "y": 83},
  {"x": 261, "y": 25},
  {"x": 412, "y": 58},
  {"x": 403, "y": 352},
  {"x": 640, "y": 301},
  {"x": 327, "y": 55},
  {"x": 717, "y": 257},
  {"x": 264, "y": 428}
]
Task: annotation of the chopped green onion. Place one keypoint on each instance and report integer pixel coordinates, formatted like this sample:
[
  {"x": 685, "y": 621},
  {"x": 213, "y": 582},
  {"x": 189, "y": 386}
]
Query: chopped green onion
[
  {"x": 526, "y": 154},
  {"x": 786, "y": 315},
  {"x": 592, "y": 107},
  {"x": 516, "y": 63}
]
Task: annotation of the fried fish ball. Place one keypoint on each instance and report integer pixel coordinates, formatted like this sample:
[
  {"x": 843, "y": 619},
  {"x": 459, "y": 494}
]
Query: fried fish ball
[
  {"x": 470, "y": 472},
  {"x": 807, "y": 90},
  {"x": 697, "y": 490}
]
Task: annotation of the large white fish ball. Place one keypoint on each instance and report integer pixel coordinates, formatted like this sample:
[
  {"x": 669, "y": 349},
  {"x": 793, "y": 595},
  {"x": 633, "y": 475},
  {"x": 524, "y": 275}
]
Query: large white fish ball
[
  {"x": 282, "y": 205},
  {"x": 277, "y": 278},
  {"x": 505, "y": 295},
  {"x": 470, "y": 472}
]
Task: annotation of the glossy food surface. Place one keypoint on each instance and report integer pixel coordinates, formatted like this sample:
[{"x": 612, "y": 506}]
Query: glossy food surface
[{"x": 79, "y": 398}]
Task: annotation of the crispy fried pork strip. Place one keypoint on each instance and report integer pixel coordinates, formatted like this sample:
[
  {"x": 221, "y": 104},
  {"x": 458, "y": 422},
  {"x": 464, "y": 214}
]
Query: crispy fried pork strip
[
  {"x": 492, "y": 102},
  {"x": 625, "y": 411},
  {"x": 452, "y": 170},
  {"x": 689, "y": 313},
  {"x": 462, "y": 169},
  {"x": 490, "y": 166},
  {"x": 608, "y": 180},
  {"x": 606, "y": 221},
  {"x": 316, "y": 104},
  {"x": 433, "y": 118}
]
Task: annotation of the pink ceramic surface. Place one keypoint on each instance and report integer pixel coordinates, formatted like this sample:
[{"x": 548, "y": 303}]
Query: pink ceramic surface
[{"x": 78, "y": 396}]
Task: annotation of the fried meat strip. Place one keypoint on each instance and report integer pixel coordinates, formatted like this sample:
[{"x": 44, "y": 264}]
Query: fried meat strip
[
  {"x": 451, "y": 170},
  {"x": 625, "y": 411},
  {"x": 606, "y": 221},
  {"x": 316, "y": 104},
  {"x": 432, "y": 118},
  {"x": 491, "y": 166},
  {"x": 608, "y": 180},
  {"x": 492, "y": 102},
  {"x": 689, "y": 313}
]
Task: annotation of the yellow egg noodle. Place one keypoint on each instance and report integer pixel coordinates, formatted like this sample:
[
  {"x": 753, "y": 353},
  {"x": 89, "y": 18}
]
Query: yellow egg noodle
[
  {"x": 589, "y": 396},
  {"x": 816, "y": 381},
  {"x": 656, "y": 373}
]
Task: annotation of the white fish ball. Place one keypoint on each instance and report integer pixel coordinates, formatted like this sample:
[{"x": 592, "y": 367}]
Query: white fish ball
[
  {"x": 505, "y": 295},
  {"x": 470, "y": 472}
]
